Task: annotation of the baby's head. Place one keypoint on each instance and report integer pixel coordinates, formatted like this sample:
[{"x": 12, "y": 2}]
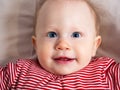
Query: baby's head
[{"x": 66, "y": 36}]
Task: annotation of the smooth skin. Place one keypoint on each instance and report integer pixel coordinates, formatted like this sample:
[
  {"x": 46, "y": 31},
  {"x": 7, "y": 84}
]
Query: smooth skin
[{"x": 65, "y": 39}]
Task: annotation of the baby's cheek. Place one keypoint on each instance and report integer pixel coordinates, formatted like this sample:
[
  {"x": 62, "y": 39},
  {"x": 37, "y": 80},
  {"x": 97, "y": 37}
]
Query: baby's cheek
[{"x": 44, "y": 51}]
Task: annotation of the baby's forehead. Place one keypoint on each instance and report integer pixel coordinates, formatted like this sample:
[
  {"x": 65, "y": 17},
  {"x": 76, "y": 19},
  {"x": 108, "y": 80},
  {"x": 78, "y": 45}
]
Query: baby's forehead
[
  {"x": 56, "y": 3},
  {"x": 51, "y": 5}
]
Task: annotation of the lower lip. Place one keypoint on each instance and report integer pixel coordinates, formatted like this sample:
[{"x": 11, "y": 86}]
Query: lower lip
[{"x": 60, "y": 61}]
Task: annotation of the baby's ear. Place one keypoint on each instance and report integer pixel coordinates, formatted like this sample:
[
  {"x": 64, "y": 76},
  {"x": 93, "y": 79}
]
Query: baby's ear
[
  {"x": 34, "y": 41},
  {"x": 97, "y": 43}
]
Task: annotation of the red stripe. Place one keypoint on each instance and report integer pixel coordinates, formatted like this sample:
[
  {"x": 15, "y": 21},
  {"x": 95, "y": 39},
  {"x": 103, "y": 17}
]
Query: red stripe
[{"x": 101, "y": 73}]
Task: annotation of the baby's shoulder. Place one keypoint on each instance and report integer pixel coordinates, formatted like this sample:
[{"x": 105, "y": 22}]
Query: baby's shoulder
[
  {"x": 110, "y": 68},
  {"x": 104, "y": 62},
  {"x": 25, "y": 62},
  {"x": 19, "y": 65}
]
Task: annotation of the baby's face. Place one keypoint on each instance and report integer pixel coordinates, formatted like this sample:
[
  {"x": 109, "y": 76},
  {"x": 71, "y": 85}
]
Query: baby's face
[{"x": 65, "y": 36}]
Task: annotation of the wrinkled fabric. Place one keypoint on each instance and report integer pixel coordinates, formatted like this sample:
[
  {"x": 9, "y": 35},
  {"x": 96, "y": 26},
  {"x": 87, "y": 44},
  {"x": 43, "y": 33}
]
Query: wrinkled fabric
[{"x": 101, "y": 74}]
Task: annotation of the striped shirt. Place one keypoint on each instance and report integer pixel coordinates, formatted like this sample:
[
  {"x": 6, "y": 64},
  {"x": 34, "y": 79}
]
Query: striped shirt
[{"x": 101, "y": 74}]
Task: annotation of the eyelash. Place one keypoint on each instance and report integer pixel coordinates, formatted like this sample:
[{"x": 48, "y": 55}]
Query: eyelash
[
  {"x": 76, "y": 35},
  {"x": 54, "y": 34}
]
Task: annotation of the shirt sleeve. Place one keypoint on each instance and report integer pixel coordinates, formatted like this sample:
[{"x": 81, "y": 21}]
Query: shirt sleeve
[
  {"x": 114, "y": 76},
  {"x": 7, "y": 76}
]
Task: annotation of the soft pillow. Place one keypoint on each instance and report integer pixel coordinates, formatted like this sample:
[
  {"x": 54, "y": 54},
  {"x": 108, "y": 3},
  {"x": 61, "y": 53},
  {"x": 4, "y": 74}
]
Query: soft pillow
[
  {"x": 16, "y": 27},
  {"x": 110, "y": 28}
]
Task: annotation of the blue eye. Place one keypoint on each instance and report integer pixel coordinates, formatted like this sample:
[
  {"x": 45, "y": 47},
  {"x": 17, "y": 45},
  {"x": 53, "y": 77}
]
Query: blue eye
[
  {"x": 76, "y": 35},
  {"x": 52, "y": 34}
]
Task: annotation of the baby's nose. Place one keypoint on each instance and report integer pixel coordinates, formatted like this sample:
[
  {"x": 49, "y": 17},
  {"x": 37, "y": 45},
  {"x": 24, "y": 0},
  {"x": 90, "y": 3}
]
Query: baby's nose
[{"x": 62, "y": 45}]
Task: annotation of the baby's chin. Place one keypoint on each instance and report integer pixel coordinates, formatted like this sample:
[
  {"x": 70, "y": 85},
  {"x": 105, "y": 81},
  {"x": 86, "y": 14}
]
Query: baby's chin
[
  {"x": 65, "y": 69},
  {"x": 64, "y": 72}
]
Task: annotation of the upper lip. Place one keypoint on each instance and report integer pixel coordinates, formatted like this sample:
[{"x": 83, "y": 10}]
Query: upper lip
[{"x": 63, "y": 58}]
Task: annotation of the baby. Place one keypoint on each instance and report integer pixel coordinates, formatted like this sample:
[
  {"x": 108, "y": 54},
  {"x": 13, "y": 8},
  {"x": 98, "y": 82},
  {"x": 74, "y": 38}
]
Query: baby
[{"x": 66, "y": 39}]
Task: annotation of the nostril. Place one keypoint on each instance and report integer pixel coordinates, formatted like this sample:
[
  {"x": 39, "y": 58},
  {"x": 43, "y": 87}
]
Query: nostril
[
  {"x": 62, "y": 46},
  {"x": 62, "y": 49}
]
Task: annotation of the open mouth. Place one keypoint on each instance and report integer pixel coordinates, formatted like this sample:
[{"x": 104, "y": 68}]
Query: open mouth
[{"x": 64, "y": 60}]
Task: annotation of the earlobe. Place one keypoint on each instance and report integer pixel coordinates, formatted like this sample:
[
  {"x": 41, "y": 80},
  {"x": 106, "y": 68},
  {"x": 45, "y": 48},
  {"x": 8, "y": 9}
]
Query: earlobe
[{"x": 34, "y": 41}]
